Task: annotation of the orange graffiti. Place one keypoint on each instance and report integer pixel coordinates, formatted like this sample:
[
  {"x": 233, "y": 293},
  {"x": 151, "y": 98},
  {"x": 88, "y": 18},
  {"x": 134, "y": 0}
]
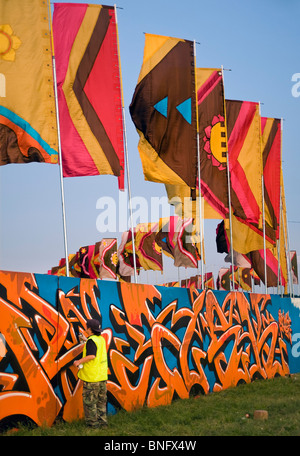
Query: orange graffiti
[{"x": 158, "y": 348}]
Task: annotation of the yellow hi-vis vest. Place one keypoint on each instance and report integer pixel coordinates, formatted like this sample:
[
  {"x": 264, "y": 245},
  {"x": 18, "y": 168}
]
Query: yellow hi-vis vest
[{"x": 96, "y": 369}]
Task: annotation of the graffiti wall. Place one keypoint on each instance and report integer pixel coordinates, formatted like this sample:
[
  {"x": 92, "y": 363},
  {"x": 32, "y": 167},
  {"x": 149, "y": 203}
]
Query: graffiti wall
[{"x": 163, "y": 343}]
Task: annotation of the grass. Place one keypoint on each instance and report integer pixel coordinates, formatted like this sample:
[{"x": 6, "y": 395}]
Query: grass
[{"x": 217, "y": 414}]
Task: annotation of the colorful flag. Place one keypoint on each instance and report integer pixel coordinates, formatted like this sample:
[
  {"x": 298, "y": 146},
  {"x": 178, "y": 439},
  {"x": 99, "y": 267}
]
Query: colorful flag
[
  {"x": 163, "y": 110},
  {"x": 224, "y": 278},
  {"x": 242, "y": 278},
  {"x": 185, "y": 251},
  {"x": 28, "y": 129},
  {"x": 108, "y": 258},
  {"x": 165, "y": 235},
  {"x": 294, "y": 265},
  {"x": 239, "y": 260},
  {"x": 89, "y": 90},
  {"x": 271, "y": 153},
  {"x": 213, "y": 152},
  {"x": 245, "y": 160},
  {"x": 86, "y": 262},
  {"x": 212, "y": 139},
  {"x": 147, "y": 249},
  {"x": 258, "y": 260},
  {"x": 125, "y": 256}
]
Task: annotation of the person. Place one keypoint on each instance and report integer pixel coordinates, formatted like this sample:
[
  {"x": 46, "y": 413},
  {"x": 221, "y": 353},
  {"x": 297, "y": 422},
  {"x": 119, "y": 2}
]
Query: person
[{"x": 93, "y": 372}]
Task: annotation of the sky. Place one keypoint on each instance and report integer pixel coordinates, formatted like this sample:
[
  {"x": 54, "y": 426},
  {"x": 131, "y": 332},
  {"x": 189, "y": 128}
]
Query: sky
[{"x": 256, "y": 42}]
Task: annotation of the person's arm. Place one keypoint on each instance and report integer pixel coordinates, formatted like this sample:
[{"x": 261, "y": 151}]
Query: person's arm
[
  {"x": 91, "y": 350},
  {"x": 84, "y": 360}
]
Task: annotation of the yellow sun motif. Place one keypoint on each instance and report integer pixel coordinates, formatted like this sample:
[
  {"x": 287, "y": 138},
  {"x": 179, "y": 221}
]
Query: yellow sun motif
[
  {"x": 9, "y": 43},
  {"x": 114, "y": 258}
]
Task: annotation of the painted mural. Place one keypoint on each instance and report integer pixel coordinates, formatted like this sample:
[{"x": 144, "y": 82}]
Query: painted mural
[{"x": 163, "y": 343}]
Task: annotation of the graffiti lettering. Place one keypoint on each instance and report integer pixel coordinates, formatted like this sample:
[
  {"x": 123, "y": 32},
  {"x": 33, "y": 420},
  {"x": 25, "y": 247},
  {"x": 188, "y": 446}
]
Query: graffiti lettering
[{"x": 158, "y": 348}]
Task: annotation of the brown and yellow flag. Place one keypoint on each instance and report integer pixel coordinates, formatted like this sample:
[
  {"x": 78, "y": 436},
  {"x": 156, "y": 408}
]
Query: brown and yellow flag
[
  {"x": 28, "y": 129},
  {"x": 163, "y": 109}
]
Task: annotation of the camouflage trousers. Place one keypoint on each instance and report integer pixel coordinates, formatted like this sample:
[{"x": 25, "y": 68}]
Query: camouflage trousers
[{"x": 94, "y": 403}]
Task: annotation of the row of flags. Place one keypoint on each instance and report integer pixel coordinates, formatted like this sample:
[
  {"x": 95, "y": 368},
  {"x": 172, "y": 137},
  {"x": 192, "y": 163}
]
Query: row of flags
[
  {"x": 240, "y": 168},
  {"x": 171, "y": 236},
  {"x": 180, "y": 113}
]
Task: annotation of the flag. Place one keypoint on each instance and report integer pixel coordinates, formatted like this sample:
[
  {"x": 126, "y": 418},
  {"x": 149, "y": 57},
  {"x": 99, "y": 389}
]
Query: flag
[
  {"x": 242, "y": 278},
  {"x": 294, "y": 266},
  {"x": 185, "y": 251},
  {"x": 271, "y": 153},
  {"x": 245, "y": 160},
  {"x": 239, "y": 260},
  {"x": 108, "y": 258},
  {"x": 125, "y": 256},
  {"x": 187, "y": 205},
  {"x": 165, "y": 235},
  {"x": 213, "y": 151},
  {"x": 258, "y": 260},
  {"x": 212, "y": 139},
  {"x": 223, "y": 245},
  {"x": 89, "y": 90},
  {"x": 28, "y": 129},
  {"x": 147, "y": 249},
  {"x": 163, "y": 110},
  {"x": 86, "y": 262},
  {"x": 224, "y": 278}
]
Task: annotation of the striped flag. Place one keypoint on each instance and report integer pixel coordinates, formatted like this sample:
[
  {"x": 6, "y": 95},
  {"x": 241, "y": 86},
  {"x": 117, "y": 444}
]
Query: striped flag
[{"x": 89, "y": 90}]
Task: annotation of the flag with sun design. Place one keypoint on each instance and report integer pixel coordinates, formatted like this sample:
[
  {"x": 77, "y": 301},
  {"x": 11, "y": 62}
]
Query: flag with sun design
[
  {"x": 89, "y": 90},
  {"x": 212, "y": 139},
  {"x": 148, "y": 251},
  {"x": 163, "y": 110},
  {"x": 108, "y": 258},
  {"x": 28, "y": 129},
  {"x": 213, "y": 152}
]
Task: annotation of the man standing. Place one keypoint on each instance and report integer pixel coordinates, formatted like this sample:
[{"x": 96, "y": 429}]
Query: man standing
[{"x": 93, "y": 372}]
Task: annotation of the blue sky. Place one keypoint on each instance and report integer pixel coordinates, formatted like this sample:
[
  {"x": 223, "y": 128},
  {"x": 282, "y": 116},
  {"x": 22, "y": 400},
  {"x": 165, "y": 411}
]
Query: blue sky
[{"x": 258, "y": 41}]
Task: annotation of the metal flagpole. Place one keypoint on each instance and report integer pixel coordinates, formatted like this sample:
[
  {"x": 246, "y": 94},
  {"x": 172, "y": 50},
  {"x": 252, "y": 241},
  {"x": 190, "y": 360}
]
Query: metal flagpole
[
  {"x": 228, "y": 188},
  {"x": 126, "y": 153},
  {"x": 59, "y": 147},
  {"x": 287, "y": 243},
  {"x": 263, "y": 208},
  {"x": 278, "y": 247},
  {"x": 199, "y": 173}
]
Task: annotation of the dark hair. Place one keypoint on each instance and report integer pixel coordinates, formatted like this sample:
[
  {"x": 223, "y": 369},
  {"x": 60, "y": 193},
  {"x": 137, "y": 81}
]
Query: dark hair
[{"x": 94, "y": 325}]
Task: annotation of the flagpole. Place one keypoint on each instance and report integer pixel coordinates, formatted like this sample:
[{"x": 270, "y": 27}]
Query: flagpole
[
  {"x": 59, "y": 147},
  {"x": 199, "y": 172},
  {"x": 126, "y": 153},
  {"x": 263, "y": 203},
  {"x": 287, "y": 250},
  {"x": 278, "y": 246},
  {"x": 228, "y": 186}
]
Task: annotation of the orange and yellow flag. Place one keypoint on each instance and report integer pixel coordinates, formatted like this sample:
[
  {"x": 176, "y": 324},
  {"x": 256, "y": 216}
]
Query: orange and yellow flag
[{"x": 28, "y": 128}]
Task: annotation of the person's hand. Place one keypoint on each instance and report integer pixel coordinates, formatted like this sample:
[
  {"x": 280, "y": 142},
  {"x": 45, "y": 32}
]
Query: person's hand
[{"x": 76, "y": 363}]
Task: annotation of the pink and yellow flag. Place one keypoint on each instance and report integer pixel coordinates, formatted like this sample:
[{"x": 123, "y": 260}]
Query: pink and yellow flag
[{"x": 89, "y": 90}]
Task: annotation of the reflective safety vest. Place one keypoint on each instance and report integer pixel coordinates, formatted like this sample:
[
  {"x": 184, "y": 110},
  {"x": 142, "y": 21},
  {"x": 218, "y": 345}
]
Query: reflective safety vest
[{"x": 96, "y": 369}]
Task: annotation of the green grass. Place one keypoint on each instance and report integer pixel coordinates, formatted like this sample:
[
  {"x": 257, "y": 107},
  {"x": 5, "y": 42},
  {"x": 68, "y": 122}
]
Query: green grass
[{"x": 217, "y": 414}]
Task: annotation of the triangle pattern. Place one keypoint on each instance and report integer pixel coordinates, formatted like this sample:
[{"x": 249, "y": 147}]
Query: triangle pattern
[
  {"x": 162, "y": 106},
  {"x": 185, "y": 109}
]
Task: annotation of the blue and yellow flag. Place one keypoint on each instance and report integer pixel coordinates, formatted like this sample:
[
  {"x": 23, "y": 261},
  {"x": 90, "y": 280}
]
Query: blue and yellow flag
[{"x": 28, "y": 129}]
